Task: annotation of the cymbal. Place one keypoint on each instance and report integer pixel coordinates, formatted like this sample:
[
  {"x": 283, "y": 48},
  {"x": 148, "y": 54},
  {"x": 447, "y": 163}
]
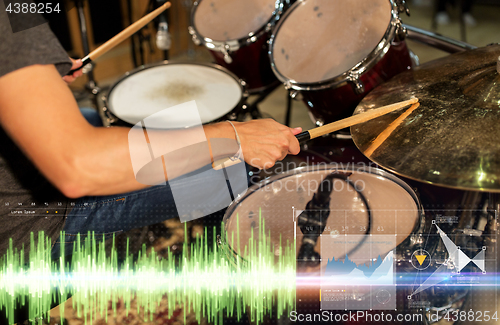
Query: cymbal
[{"x": 453, "y": 138}]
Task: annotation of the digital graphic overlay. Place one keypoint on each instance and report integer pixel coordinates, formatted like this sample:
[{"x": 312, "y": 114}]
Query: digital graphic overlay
[
  {"x": 362, "y": 283},
  {"x": 203, "y": 278}
]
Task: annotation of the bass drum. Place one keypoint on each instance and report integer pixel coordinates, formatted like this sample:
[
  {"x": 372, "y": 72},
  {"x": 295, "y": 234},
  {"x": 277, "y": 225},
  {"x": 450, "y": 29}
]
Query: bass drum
[
  {"x": 334, "y": 52},
  {"x": 218, "y": 93}
]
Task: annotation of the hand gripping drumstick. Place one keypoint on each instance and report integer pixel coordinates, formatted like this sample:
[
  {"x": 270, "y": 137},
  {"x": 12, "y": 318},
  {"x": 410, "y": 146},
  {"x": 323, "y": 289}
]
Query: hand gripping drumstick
[
  {"x": 123, "y": 35},
  {"x": 353, "y": 120},
  {"x": 332, "y": 127}
]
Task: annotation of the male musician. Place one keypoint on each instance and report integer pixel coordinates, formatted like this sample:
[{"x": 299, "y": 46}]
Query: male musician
[{"x": 49, "y": 153}]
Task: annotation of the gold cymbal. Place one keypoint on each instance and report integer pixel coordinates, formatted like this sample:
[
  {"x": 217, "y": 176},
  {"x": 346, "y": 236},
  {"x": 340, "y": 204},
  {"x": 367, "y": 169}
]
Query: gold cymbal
[{"x": 453, "y": 138}]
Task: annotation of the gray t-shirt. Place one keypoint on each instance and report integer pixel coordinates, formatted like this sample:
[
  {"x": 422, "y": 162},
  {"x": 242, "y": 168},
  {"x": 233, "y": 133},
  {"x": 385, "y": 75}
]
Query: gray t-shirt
[{"x": 28, "y": 202}]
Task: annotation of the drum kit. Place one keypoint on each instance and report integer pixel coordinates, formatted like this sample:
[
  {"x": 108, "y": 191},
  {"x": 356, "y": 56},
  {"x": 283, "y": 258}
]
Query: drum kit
[{"x": 342, "y": 60}]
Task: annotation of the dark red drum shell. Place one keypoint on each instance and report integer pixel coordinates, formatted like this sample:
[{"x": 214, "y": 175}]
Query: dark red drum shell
[
  {"x": 332, "y": 104},
  {"x": 250, "y": 63}
]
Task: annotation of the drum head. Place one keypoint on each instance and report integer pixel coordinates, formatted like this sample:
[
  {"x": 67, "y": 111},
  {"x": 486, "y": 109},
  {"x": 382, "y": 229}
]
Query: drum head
[
  {"x": 322, "y": 39},
  {"x": 279, "y": 200},
  {"x": 225, "y": 20},
  {"x": 153, "y": 89}
]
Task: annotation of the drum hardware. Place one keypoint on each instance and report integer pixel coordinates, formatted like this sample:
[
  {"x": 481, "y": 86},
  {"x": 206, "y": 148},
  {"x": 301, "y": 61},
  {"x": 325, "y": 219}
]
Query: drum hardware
[
  {"x": 403, "y": 7},
  {"x": 225, "y": 52},
  {"x": 414, "y": 59},
  {"x": 435, "y": 40},
  {"x": 357, "y": 84},
  {"x": 294, "y": 94},
  {"x": 252, "y": 109},
  {"x": 194, "y": 36},
  {"x": 109, "y": 117},
  {"x": 401, "y": 31}
]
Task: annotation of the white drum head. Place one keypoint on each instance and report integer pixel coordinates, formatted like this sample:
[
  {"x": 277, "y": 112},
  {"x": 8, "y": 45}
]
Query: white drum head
[
  {"x": 322, "y": 39},
  {"x": 157, "y": 88},
  {"x": 225, "y": 20},
  {"x": 394, "y": 211}
]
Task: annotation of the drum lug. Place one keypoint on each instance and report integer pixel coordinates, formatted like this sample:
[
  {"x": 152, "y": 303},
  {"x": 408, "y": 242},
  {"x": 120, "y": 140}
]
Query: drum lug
[
  {"x": 401, "y": 31},
  {"x": 109, "y": 118},
  {"x": 225, "y": 52},
  {"x": 195, "y": 38},
  {"x": 403, "y": 7},
  {"x": 243, "y": 84},
  {"x": 359, "y": 86}
]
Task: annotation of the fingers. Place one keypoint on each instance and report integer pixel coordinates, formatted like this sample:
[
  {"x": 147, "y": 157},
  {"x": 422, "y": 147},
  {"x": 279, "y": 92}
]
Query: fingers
[
  {"x": 296, "y": 131},
  {"x": 76, "y": 64},
  {"x": 266, "y": 141}
]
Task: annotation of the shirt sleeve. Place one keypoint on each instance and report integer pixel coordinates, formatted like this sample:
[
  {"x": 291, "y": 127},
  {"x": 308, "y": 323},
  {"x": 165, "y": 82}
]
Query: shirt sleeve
[{"x": 37, "y": 45}]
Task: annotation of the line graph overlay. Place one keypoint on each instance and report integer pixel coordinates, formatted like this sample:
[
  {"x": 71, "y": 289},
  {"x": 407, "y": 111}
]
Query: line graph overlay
[{"x": 362, "y": 280}]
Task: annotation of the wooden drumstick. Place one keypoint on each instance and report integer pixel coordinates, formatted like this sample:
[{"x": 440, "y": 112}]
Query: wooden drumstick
[
  {"x": 123, "y": 35},
  {"x": 332, "y": 127}
]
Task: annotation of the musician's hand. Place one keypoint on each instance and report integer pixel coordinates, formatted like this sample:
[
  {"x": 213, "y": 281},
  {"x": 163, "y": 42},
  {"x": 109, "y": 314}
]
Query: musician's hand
[
  {"x": 76, "y": 74},
  {"x": 266, "y": 141}
]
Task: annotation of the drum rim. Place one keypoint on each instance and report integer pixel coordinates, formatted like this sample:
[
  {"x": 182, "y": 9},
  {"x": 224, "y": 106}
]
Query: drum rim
[
  {"x": 352, "y": 75},
  {"x": 236, "y": 44},
  {"x": 235, "y": 258},
  {"x": 109, "y": 106},
  {"x": 360, "y": 168}
]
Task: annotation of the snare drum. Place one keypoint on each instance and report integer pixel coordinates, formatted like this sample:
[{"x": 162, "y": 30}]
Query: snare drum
[
  {"x": 237, "y": 34},
  {"x": 334, "y": 52},
  {"x": 218, "y": 93},
  {"x": 394, "y": 209}
]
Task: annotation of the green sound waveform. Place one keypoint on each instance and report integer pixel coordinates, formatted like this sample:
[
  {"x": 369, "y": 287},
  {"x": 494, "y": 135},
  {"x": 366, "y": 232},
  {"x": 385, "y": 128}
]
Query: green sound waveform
[{"x": 204, "y": 281}]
